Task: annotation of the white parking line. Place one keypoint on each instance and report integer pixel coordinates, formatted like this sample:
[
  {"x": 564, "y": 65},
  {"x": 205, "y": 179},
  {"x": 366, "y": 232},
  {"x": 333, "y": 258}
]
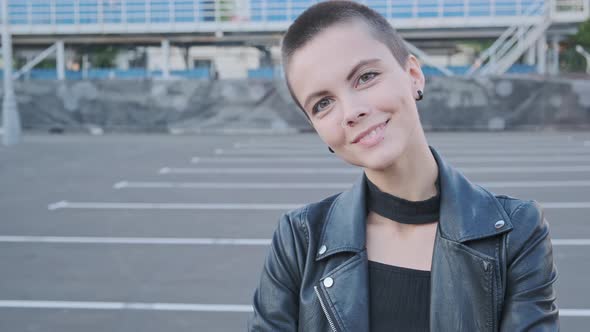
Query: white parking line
[
  {"x": 231, "y": 160},
  {"x": 329, "y": 159},
  {"x": 322, "y": 185},
  {"x": 234, "y": 206},
  {"x": 184, "y": 241},
  {"x": 169, "y": 206},
  {"x": 31, "y": 304},
  {"x": 443, "y": 138},
  {"x": 356, "y": 170},
  {"x": 565, "y": 205},
  {"x": 571, "y": 242},
  {"x": 534, "y": 184},
  {"x": 574, "y": 312},
  {"x": 125, "y": 306},
  {"x": 439, "y": 145},
  {"x": 230, "y": 170},
  {"x": 229, "y": 185},
  {"x": 445, "y": 152},
  {"x": 134, "y": 240}
]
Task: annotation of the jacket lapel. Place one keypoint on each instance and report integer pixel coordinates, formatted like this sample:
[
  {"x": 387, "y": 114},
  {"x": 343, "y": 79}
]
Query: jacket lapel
[
  {"x": 344, "y": 231},
  {"x": 463, "y": 279}
]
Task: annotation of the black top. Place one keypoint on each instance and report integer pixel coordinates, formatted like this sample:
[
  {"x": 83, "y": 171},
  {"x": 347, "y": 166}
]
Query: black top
[{"x": 399, "y": 298}]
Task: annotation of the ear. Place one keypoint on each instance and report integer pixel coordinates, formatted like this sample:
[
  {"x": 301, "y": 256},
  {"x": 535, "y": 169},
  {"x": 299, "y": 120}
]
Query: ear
[{"x": 415, "y": 73}]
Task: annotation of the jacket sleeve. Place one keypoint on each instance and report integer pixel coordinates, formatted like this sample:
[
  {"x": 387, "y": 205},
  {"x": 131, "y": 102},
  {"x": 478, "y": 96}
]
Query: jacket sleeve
[
  {"x": 530, "y": 296},
  {"x": 276, "y": 299}
]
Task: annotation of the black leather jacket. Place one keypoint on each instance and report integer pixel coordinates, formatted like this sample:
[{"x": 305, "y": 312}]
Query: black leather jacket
[{"x": 492, "y": 266}]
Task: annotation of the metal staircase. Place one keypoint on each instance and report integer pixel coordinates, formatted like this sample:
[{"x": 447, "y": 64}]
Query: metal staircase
[{"x": 512, "y": 44}]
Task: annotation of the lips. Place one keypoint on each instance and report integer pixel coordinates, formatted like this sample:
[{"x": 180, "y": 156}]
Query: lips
[{"x": 371, "y": 131}]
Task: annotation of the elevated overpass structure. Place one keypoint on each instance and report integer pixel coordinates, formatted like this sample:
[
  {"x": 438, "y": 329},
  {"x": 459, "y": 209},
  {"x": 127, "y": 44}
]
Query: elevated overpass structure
[
  {"x": 148, "y": 17},
  {"x": 519, "y": 26}
]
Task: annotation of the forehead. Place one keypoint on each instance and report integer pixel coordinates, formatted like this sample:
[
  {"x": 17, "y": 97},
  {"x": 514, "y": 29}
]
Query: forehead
[{"x": 330, "y": 55}]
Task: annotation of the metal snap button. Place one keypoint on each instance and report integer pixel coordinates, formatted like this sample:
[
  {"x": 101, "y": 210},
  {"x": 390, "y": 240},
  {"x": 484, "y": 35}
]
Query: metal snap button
[
  {"x": 499, "y": 224},
  {"x": 328, "y": 282},
  {"x": 323, "y": 249}
]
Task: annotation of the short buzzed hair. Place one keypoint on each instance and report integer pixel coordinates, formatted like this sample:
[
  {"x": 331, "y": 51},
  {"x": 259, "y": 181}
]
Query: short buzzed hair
[{"x": 328, "y": 13}]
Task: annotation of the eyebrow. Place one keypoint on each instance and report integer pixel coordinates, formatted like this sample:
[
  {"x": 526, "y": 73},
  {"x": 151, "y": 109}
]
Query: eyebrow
[{"x": 348, "y": 78}]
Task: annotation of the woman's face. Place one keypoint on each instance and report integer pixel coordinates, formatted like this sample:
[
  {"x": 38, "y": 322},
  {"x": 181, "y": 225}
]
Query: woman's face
[{"x": 359, "y": 99}]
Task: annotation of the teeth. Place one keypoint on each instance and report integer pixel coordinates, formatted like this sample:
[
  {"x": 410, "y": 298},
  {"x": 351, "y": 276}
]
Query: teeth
[{"x": 372, "y": 133}]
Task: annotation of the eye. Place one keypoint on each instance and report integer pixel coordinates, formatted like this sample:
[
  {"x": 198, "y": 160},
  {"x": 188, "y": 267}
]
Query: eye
[
  {"x": 366, "y": 77},
  {"x": 321, "y": 105}
]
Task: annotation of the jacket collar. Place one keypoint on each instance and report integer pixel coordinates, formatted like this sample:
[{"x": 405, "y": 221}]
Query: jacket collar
[{"x": 467, "y": 212}]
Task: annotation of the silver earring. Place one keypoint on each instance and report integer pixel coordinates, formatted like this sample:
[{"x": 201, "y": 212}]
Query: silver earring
[{"x": 420, "y": 95}]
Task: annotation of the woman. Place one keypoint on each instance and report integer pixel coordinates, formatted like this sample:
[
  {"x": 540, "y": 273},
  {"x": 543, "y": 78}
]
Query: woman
[{"x": 413, "y": 246}]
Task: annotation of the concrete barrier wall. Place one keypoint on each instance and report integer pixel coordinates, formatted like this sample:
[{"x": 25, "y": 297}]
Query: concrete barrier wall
[{"x": 265, "y": 106}]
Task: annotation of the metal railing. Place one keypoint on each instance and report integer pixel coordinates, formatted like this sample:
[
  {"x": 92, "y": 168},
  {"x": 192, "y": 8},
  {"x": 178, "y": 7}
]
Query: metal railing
[
  {"x": 158, "y": 11},
  {"x": 46, "y": 17}
]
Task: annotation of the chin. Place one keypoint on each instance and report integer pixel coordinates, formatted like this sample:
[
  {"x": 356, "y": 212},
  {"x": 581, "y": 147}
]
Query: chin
[
  {"x": 377, "y": 160},
  {"x": 384, "y": 156},
  {"x": 378, "y": 164}
]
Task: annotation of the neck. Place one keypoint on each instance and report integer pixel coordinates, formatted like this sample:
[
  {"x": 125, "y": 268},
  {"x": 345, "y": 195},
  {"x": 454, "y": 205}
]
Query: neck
[{"x": 412, "y": 176}]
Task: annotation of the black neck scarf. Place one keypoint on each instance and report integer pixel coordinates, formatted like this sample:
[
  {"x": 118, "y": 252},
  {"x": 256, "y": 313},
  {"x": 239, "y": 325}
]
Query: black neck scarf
[{"x": 402, "y": 210}]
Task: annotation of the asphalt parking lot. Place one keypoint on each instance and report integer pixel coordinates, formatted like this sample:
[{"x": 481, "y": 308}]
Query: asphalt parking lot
[{"x": 168, "y": 233}]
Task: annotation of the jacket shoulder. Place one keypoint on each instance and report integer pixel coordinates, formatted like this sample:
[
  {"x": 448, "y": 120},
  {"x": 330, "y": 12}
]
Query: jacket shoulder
[
  {"x": 309, "y": 220},
  {"x": 528, "y": 222},
  {"x": 308, "y": 217}
]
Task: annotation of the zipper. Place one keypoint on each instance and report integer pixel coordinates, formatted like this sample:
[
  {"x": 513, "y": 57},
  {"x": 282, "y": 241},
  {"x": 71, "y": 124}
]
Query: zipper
[{"x": 324, "y": 309}]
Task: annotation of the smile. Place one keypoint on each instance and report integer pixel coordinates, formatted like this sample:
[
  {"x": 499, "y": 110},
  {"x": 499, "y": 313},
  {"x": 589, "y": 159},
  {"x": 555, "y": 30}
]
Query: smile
[{"x": 371, "y": 136}]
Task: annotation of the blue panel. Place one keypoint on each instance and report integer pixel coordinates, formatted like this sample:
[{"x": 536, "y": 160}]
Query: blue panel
[
  {"x": 131, "y": 73},
  {"x": 184, "y": 11},
  {"x": 196, "y": 73},
  {"x": 40, "y": 12},
  {"x": 43, "y": 74},
  {"x": 159, "y": 11},
  {"x": 88, "y": 11},
  {"x": 453, "y": 8},
  {"x": 112, "y": 12},
  {"x": 207, "y": 10},
  {"x": 479, "y": 8},
  {"x": 136, "y": 11},
  {"x": 64, "y": 12},
  {"x": 276, "y": 10},
  {"x": 428, "y": 8},
  {"x": 261, "y": 73},
  {"x": 17, "y": 12},
  {"x": 402, "y": 9},
  {"x": 522, "y": 69},
  {"x": 531, "y": 7},
  {"x": 505, "y": 8}
]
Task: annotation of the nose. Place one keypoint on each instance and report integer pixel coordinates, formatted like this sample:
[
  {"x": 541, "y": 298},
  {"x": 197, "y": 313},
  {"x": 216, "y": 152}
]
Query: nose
[{"x": 354, "y": 115}]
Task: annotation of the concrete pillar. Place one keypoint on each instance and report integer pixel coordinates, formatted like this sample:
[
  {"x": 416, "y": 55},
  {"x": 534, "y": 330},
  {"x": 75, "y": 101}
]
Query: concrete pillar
[
  {"x": 555, "y": 55},
  {"x": 85, "y": 66},
  {"x": 530, "y": 55},
  {"x": 60, "y": 59},
  {"x": 541, "y": 55},
  {"x": 10, "y": 116},
  {"x": 165, "y": 58}
]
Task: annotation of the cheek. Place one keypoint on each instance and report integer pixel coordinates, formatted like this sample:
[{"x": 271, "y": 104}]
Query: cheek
[
  {"x": 330, "y": 132},
  {"x": 390, "y": 98},
  {"x": 384, "y": 96}
]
